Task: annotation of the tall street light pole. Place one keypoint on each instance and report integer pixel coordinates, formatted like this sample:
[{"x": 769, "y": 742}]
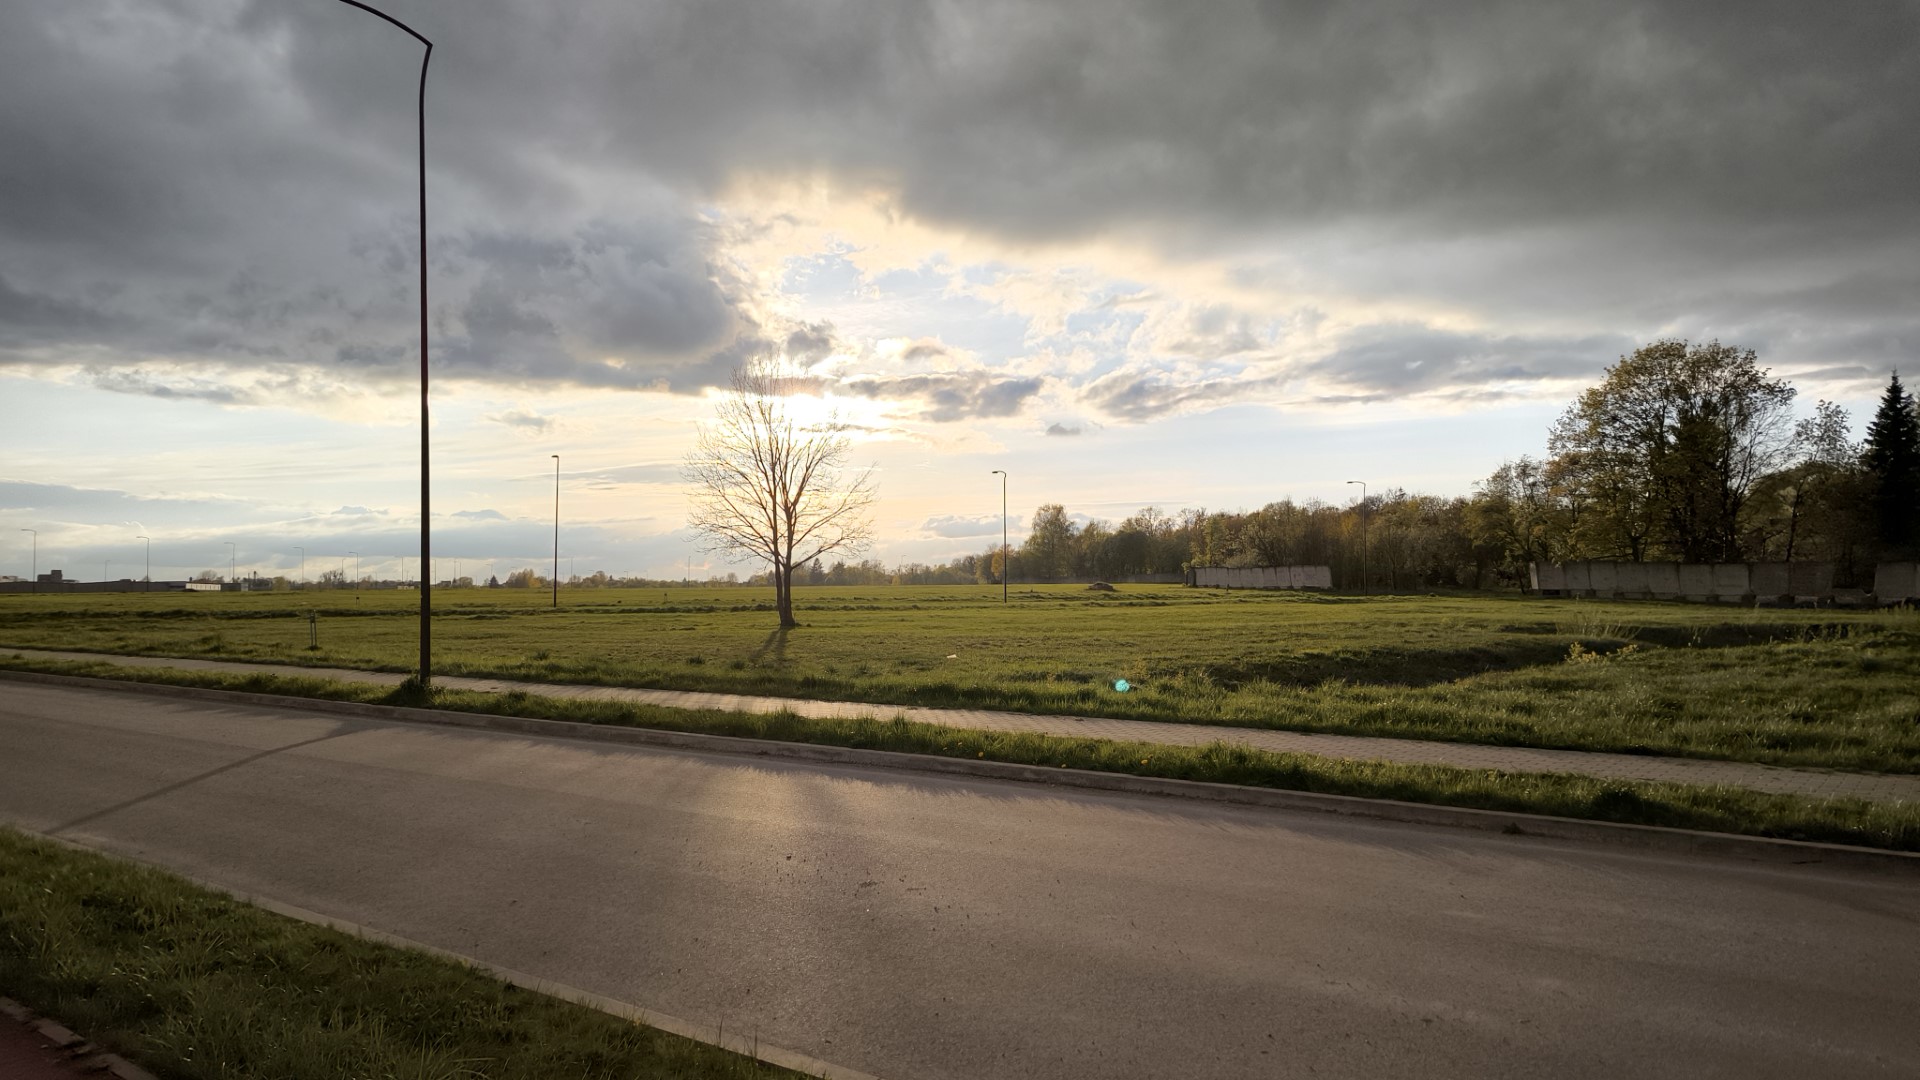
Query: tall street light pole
[
  {"x": 1363, "y": 534},
  {"x": 230, "y": 550},
  {"x": 35, "y": 587},
  {"x": 556, "y": 531},
  {"x": 1003, "y": 534},
  {"x": 426, "y": 516},
  {"x": 149, "y": 541}
]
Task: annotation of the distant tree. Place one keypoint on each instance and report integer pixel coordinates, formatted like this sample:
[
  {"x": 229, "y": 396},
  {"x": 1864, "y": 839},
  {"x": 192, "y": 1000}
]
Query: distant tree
[
  {"x": 524, "y": 578},
  {"x": 768, "y": 486},
  {"x": 1892, "y": 459},
  {"x": 1662, "y": 455},
  {"x": 1514, "y": 515},
  {"x": 208, "y": 577},
  {"x": 1048, "y": 551}
]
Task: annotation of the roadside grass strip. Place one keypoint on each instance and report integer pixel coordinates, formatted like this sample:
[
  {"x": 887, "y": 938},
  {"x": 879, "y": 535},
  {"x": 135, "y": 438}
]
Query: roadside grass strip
[
  {"x": 194, "y": 985},
  {"x": 1722, "y": 808}
]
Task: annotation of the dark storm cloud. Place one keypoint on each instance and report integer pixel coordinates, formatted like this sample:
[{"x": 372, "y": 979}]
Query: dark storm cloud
[
  {"x": 233, "y": 180},
  {"x": 949, "y": 396},
  {"x": 1395, "y": 360}
]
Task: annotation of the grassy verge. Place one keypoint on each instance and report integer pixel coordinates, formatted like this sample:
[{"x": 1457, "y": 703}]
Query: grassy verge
[
  {"x": 1717, "y": 809},
  {"x": 193, "y": 984}
]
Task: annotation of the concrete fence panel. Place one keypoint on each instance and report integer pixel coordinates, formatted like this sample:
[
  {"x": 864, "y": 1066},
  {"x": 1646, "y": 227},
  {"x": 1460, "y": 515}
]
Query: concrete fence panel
[
  {"x": 1263, "y": 577},
  {"x": 1813, "y": 579},
  {"x": 1896, "y": 581},
  {"x": 1770, "y": 579},
  {"x": 1630, "y": 578},
  {"x": 1603, "y": 578},
  {"x": 1731, "y": 581},
  {"x": 1576, "y": 577},
  {"x": 1696, "y": 580},
  {"x": 1663, "y": 580}
]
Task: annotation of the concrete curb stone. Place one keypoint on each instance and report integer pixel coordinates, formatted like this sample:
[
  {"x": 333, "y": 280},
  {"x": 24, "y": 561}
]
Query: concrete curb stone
[
  {"x": 82, "y": 1054},
  {"x": 1644, "y": 837}
]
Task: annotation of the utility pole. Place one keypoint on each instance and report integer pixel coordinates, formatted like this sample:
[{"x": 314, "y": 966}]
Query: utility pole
[
  {"x": 1004, "y": 558},
  {"x": 1363, "y": 535},
  {"x": 556, "y": 532}
]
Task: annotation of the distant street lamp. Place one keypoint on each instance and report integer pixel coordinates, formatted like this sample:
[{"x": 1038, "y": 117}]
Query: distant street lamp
[
  {"x": 149, "y": 541},
  {"x": 403, "y": 569},
  {"x": 556, "y": 531},
  {"x": 426, "y": 515},
  {"x": 1003, "y": 534},
  {"x": 1363, "y": 534},
  {"x": 34, "y": 587},
  {"x": 230, "y": 550}
]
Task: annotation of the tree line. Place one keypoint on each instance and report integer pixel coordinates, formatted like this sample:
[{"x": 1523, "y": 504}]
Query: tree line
[{"x": 1681, "y": 453}]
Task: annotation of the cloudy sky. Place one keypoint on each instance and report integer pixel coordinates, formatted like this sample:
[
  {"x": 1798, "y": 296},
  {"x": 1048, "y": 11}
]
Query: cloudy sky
[{"x": 1136, "y": 252}]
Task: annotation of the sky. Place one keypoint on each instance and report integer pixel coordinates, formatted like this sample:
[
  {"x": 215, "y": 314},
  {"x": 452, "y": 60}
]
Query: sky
[{"x": 1134, "y": 252}]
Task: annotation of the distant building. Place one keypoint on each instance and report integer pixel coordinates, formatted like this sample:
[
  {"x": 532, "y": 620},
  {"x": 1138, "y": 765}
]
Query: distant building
[{"x": 52, "y": 577}]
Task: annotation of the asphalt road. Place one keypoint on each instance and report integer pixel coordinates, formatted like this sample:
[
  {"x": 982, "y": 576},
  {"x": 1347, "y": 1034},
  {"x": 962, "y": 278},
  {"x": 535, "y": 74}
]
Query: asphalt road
[{"x": 923, "y": 928}]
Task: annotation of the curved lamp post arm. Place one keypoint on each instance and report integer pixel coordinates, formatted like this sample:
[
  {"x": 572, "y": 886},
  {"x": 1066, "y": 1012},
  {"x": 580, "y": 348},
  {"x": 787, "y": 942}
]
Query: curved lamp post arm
[{"x": 426, "y": 515}]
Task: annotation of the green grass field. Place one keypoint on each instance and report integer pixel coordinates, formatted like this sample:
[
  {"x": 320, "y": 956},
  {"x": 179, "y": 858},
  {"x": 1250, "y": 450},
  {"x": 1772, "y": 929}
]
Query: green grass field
[{"x": 1780, "y": 686}]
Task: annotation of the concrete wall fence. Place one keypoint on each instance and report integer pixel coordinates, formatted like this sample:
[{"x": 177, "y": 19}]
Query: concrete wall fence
[
  {"x": 1896, "y": 581},
  {"x": 1261, "y": 577},
  {"x": 1732, "y": 582}
]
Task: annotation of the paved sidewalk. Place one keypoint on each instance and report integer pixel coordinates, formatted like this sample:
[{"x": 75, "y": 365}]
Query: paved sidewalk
[{"x": 1817, "y": 783}]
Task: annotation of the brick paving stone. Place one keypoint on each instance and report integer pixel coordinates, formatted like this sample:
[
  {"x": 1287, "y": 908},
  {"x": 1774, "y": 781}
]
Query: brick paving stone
[{"x": 1816, "y": 783}]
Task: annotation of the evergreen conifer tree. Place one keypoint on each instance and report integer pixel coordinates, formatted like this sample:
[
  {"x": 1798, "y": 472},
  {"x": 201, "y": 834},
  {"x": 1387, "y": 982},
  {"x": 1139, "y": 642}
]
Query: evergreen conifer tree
[{"x": 1892, "y": 456}]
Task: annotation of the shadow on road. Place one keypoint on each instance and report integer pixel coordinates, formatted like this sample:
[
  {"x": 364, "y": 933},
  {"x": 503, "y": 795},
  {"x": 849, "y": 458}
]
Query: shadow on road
[{"x": 190, "y": 781}]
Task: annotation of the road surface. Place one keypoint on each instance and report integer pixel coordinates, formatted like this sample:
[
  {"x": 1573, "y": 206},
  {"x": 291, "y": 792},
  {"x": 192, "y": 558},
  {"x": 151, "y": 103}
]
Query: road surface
[{"x": 928, "y": 928}]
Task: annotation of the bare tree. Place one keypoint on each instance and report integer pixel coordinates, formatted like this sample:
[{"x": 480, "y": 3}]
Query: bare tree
[{"x": 768, "y": 487}]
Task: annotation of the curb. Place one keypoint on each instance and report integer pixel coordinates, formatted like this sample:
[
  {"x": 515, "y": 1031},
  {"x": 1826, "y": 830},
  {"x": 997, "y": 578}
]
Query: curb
[
  {"x": 1644, "y": 837},
  {"x": 81, "y": 1053}
]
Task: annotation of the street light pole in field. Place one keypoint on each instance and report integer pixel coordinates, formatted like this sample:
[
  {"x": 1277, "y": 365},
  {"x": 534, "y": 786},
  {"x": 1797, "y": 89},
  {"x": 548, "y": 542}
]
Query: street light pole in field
[
  {"x": 1363, "y": 535},
  {"x": 556, "y": 531},
  {"x": 1003, "y": 534}
]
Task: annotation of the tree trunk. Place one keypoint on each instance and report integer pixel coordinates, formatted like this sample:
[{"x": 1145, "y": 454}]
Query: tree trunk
[{"x": 783, "y": 595}]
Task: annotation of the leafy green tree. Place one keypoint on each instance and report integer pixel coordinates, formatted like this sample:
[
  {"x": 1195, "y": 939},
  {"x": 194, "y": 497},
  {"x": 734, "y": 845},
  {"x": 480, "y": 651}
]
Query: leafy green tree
[
  {"x": 1892, "y": 459},
  {"x": 1048, "y": 552},
  {"x": 1661, "y": 457},
  {"x": 1515, "y": 520}
]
